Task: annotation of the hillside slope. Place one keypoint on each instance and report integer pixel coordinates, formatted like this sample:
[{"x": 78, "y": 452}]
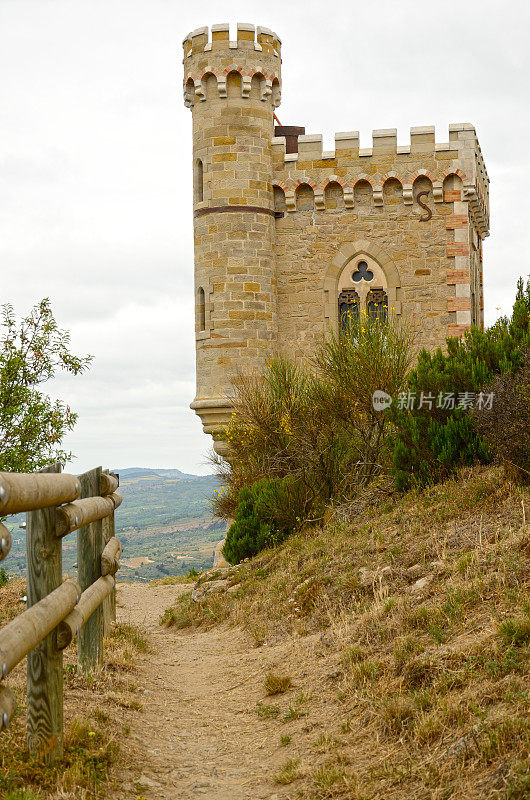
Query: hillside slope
[
  {"x": 408, "y": 627},
  {"x": 162, "y": 497}
]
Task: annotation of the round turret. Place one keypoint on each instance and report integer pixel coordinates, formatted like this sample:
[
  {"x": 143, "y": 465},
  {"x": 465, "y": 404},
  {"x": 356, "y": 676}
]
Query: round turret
[{"x": 232, "y": 89}]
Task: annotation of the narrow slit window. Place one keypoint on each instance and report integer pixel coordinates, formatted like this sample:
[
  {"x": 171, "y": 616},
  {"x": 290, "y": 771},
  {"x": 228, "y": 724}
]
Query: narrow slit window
[
  {"x": 201, "y": 309},
  {"x": 199, "y": 181}
]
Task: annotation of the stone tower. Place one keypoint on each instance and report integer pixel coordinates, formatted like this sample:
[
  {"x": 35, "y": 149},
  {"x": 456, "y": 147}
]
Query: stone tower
[
  {"x": 289, "y": 238},
  {"x": 232, "y": 89}
]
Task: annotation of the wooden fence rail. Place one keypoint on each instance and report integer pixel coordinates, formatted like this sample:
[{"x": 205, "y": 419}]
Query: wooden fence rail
[{"x": 57, "y": 504}]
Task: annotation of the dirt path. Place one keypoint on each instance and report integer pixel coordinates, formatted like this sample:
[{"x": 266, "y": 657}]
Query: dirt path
[{"x": 199, "y": 731}]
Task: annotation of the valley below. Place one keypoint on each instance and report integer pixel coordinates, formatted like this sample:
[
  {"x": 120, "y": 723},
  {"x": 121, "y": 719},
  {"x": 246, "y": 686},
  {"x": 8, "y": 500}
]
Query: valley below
[{"x": 164, "y": 523}]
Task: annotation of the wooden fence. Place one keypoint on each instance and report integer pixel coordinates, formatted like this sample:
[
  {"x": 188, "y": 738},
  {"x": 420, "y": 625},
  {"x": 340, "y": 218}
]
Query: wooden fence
[{"x": 57, "y": 504}]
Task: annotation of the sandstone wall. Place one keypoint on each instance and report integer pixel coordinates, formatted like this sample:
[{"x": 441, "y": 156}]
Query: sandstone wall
[
  {"x": 342, "y": 206},
  {"x": 232, "y": 88}
]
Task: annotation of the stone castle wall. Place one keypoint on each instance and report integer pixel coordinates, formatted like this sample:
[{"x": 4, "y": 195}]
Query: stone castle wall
[
  {"x": 279, "y": 235},
  {"x": 350, "y": 204}
]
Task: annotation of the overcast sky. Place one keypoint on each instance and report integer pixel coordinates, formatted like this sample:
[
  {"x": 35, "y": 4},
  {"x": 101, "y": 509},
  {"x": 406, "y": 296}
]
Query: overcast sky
[{"x": 95, "y": 171}]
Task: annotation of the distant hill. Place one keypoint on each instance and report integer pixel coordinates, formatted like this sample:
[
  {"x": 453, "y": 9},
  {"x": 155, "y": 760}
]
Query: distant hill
[
  {"x": 141, "y": 472},
  {"x": 162, "y": 496},
  {"x": 165, "y": 522}
]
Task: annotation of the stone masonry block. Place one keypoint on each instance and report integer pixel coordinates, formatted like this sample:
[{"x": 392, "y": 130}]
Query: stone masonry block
[
  {"x": 455, "y": 276},
  {"x": 457, "y": 249},
  {"x": 458, "y": 303},
  {"x": 456, "y": 221}
]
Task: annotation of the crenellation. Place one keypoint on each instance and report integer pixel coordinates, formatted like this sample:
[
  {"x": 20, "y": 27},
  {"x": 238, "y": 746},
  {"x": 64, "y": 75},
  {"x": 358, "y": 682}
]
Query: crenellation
[
  {"x": 384, "y": 140},
  {"x": 199, "y": 40},
  {"x": 384, "y": 143},
  {"x": 310, "y": 147},
  {"x": 249, "y": 39},
  {"x": 347, "y": 141}
]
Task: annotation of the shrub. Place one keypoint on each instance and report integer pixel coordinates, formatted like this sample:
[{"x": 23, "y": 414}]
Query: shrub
[
  {"x": 267, "y": 512},
  {"x": 276, "y": 431},
  {"x": 370, "y": 355},
  {"x": 288, "y": 772},
  {"x": 277, "y": 684},
  {"x": 506, "y": 426},
  {"x": 515, "y": 631},
  {"x": 4, "y": 577},
  {"x": 432, "y": 441},
  {"x": 181, "y": 615},
  {"x": 315, "y": 422}
]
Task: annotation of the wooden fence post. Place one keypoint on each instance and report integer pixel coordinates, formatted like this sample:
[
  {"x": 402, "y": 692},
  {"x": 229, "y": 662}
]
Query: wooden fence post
[
  {"x": 89, "y": 548},
  {"x": 45, "y": 662}
]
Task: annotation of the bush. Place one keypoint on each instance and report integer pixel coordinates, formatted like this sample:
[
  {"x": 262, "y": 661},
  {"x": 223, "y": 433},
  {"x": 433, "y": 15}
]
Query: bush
[
  {"x": 267, "y": 512},
  {"x": 315, "y": 423},
  {"x": 369, "y": 356},
  {"x": 432, "y": 442},
  {"x": 4, "y": 577},
  {"x": 506, "y": 426}
]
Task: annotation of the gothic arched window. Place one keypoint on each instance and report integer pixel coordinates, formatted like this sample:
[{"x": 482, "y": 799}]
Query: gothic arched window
[{"x": 349, "y": 307}]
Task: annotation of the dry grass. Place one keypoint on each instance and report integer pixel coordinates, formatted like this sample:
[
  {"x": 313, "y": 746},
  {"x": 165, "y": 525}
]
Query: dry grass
[
  {"x": 10, "y": 605},
  {"x": 187, "y": 614},
  {"x": 97, "y": 713},
  {"x": 277, "y": 684},
  {"x": 417, "y": 618},
  {"x": 175, "y": 580}
]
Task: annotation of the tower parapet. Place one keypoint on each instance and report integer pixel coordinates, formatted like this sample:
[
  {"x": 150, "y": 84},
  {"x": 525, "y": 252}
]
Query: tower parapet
[
  {"x": 220, "y": 57},
  {"x": 232, "y": 89}
]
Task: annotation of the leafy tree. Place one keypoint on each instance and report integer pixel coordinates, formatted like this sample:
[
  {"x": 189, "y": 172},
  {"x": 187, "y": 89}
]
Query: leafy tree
[{"x": 32, "y": 425}]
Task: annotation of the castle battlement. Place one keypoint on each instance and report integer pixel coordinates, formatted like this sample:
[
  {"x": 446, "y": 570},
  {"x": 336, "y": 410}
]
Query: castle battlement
[
  {"x": 248, "y": 38},
  {"x": 247, "y": 59},
  {"x": 349, "y": 163}
]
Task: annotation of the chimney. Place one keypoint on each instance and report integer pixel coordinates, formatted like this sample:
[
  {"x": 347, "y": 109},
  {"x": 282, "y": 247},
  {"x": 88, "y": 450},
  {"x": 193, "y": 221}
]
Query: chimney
[{"x": 291, "y": 133}]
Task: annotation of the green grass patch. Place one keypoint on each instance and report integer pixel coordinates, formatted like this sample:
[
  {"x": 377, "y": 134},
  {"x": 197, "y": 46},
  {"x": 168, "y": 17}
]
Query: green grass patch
[{"x": 288, "y": 772}]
